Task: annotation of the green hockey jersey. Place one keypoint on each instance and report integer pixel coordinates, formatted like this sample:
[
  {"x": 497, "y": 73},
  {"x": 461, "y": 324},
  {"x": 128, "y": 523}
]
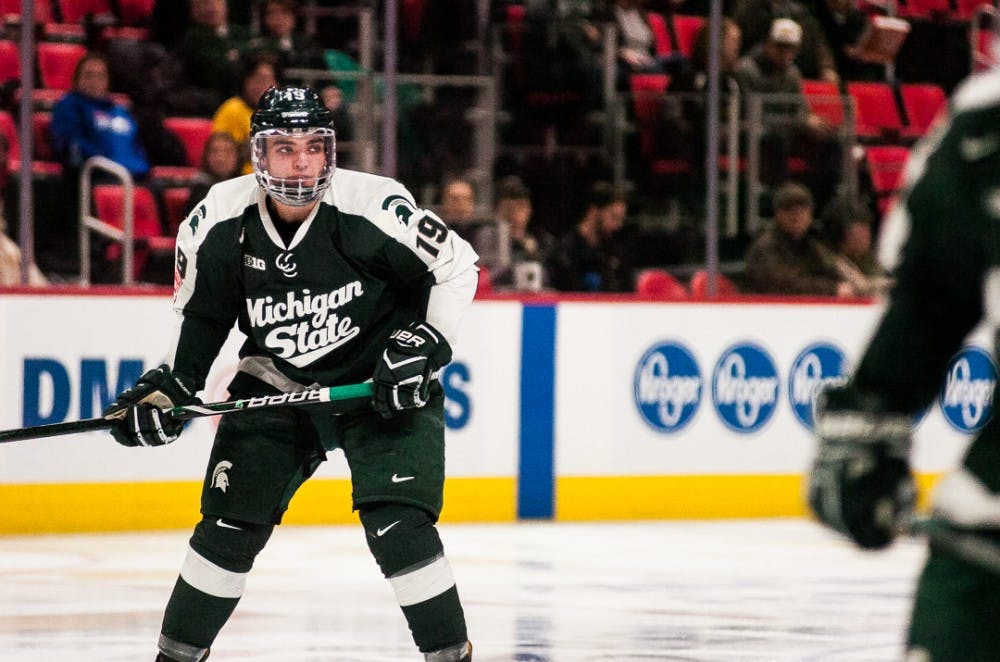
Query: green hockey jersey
[{"x": 319, "y": 307}]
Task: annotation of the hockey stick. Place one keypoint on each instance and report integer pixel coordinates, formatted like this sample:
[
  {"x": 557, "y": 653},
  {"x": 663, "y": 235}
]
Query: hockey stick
[
  {"x": 964, "y": 544},
  {"x": 346, "y": 398}
]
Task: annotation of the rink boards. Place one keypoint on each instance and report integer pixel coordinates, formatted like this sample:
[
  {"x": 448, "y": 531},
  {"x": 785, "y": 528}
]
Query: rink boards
[{"x": 566, "y": 409}]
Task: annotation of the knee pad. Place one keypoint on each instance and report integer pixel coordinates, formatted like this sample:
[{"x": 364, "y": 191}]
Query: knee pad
[
  {"x": 399, "y": 536},
  {"x": 221, "y": 554},
  {"x": 407, "y": 547},
  {"x": 230, "y": 544}
]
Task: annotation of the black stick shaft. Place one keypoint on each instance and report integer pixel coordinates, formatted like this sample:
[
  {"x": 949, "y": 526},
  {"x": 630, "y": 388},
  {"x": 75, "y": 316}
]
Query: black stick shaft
[{"x": 337, "y": 399}]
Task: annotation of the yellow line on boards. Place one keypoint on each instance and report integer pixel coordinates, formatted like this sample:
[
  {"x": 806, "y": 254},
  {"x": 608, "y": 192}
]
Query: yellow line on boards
[
  {"x": 688, "y": 497},
  {"x": 91, "y": 507}
]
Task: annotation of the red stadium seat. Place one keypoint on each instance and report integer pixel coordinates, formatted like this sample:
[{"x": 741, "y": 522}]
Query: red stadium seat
[
  {"x": 10, "y": 61},
  {"x": 412, "y": 19},
  {"x": 723, "y": 286},
  {"x": 886, "y": 164},
  {"x": 43, "y": 9},
  {"x": 647, "y": 95},
  {"x": 921, "y": 103},
  {"x": 982, "y": 39},
  {"x": 923, "y": 8},
  {"x": 41, "y": 124},
  {"x": 74, "y": 11},
  {"x": 687, "y": 28},
  {"x": 109, "y": 206},
  {"x": 824, "y": 99},
  {"x": 662, "y": 44},
  {"x": 193, "y": 132},
  {"x": 8, "y": 128},
  {"x": 175, "y": 200},
  {"x": 56, "y": 63},
  {"x": 966, "y": 9},
  {"x": 135, "y": 12},
  {"x": 876, "y": 115},
  {"x": 485, "y": 284},
  {"x": 659, "y": 283}
]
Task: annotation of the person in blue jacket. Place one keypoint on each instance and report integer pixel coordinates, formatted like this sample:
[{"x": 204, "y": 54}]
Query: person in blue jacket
[{"x": 89, "y": 122}]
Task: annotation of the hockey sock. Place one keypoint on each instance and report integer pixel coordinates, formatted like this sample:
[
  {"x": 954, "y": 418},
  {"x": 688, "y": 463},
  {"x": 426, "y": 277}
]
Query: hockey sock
[
  {"x": 212, "y": 579},
  {"x": 194, "y": 617},
  {"x": 437, "y": 623},
  {"x": 407, "y": 547}
]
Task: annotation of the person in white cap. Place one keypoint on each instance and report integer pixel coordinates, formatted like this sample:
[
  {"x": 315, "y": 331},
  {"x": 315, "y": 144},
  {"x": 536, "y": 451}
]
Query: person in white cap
[
  {"x": 769, "y": 72},
  {"x": 815, "y": 57}
]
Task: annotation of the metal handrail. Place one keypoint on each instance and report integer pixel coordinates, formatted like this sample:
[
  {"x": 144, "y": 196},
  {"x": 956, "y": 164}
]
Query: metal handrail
[{"x": 90, "y": 223}]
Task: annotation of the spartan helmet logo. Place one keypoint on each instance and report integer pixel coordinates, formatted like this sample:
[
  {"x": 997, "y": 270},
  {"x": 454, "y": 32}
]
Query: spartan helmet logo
[
  {"x": 220, "y": 478},
  {"x": 400, "y": 207}
]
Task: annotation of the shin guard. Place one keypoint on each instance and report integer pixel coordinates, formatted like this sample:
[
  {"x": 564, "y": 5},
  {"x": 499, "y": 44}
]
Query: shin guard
[
  {"x": 408, "y": 550},
  {"x": 211, "y": 580}
]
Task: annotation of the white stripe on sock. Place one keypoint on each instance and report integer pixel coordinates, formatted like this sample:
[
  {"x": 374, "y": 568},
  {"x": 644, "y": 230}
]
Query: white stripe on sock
[
  {"x": 423, "y": 583},
  {"x": 209, "y": 578}
]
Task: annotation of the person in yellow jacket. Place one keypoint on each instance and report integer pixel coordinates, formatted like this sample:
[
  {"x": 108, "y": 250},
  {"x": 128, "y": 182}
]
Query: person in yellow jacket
[{"x": 260, "y": 73}]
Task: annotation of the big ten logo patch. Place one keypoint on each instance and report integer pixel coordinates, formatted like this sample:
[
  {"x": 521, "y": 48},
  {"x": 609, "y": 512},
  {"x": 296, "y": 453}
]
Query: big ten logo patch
[
  {"x": 745, "y": 387},
  {"x": 966, "y": 398},
  {"x": 667, "y": 386}
]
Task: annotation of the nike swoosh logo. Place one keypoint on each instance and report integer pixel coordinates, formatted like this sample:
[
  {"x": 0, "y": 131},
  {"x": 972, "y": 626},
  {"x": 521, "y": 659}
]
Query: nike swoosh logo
[
  {"x": 401, "y": 479},
  {"x": 383, "y": 531},
  {"x": 219, "y": 522}
]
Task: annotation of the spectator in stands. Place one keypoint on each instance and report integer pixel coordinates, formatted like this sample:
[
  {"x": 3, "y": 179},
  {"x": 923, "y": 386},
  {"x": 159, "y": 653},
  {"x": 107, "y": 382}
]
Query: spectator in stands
[
  {"x": 561, "y": 53},
  {"x": 789, "y": 257},
  {"x": 847, "y": 224},
  {"x": 790, "y": 128},
  {"x": 523, "y": 266},
  {"x": 590, "y": 258},
  {"x": 458, "y": 205},
  {"x": 88, "y": 122},
  {"x": 220, "y": 161},
  {"x": 692, "y": 79},
  {"x": 10, "y": 261},
  {"x": 636, "y": 45},
  {"x": 280, "y": 35},
  {"x": 260, "y": 73},
  {"x": 843, "y": 23},
  {"x": 693, "y": 76},
  {"x": 756, "y": 17},
  {"x": 9, "y": 190},
  {"x": 211, "y": 49},
  {"x": 343, "y": 123}
]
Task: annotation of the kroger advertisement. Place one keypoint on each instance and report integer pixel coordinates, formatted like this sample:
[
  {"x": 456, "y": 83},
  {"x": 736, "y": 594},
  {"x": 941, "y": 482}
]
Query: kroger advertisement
[{"x": 551, "y": 406}]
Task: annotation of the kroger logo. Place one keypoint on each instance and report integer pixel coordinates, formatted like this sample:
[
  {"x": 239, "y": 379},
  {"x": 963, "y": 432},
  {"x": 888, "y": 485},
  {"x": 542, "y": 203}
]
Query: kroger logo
[
  {"x": 667, "y": 387},
  {"x": 967, "y": 396},
  {"x": 745, "y": 387},
  {"x": 816, "y": 367}
]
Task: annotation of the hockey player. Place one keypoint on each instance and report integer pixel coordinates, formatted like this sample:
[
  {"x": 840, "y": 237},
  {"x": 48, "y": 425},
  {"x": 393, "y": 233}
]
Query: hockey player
[
  {"x": 942, "y": 239},
  {"x": 334, "y": 276}
]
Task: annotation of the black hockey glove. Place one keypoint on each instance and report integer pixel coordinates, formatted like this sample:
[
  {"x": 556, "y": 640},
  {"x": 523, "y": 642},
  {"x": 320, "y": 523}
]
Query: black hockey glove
[
  {"x": 403, "y": 373},
  {"x": 139, "y": 410},
  {"x": 861, "y": 483}
]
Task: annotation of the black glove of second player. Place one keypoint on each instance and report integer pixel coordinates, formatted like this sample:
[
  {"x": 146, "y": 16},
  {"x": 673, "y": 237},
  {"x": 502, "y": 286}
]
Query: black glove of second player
[
  {"x": 403, "y": 373},
  {"x": 139, "y": 410},
  {"x": 861, "y": 484}
]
